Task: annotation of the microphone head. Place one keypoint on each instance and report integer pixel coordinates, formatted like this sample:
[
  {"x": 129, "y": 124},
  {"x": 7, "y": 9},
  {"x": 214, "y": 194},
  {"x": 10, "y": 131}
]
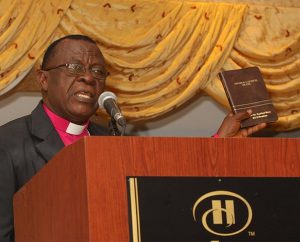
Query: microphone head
[{"x": 104, "y": 96}]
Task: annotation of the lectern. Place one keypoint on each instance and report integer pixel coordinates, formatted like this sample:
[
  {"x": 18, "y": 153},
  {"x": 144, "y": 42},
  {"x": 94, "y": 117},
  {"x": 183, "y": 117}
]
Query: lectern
[{"x": 82, "y": 194}]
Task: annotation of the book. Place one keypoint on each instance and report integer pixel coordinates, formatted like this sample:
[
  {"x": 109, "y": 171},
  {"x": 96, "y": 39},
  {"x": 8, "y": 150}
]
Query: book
[{"x": 246, "y": 89}]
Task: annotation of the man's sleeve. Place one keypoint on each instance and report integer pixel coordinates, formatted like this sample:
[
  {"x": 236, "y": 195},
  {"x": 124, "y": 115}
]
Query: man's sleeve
[{"x": 7, "y": 189}]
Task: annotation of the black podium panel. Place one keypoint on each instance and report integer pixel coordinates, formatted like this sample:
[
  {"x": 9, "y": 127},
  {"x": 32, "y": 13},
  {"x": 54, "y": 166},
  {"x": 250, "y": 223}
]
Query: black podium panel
[{"x": 189, "y": 209}]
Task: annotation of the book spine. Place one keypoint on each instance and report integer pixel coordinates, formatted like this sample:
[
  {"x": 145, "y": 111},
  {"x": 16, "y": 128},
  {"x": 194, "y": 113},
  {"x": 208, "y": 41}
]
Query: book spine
[{"x": 224, "y": 83}]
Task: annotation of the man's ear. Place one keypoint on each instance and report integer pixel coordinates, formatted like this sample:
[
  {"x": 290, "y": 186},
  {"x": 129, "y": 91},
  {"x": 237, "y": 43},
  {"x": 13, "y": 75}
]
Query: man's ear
[{"x": 43, "y": 77}]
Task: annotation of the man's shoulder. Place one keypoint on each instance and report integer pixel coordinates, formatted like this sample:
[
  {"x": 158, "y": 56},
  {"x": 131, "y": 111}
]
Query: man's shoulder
[
  {"x": 14, "y": 129},
  {"x": 14, "y": 126},
  {"x": 20, "y": 125}
]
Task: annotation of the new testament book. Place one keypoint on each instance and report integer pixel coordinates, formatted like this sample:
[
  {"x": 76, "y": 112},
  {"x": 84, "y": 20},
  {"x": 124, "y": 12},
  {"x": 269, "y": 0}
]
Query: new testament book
[{"x": 246, "y": 89}]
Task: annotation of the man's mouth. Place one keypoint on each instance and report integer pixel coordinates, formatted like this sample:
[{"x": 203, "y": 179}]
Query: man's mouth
[{"x": 84, "y": 96}]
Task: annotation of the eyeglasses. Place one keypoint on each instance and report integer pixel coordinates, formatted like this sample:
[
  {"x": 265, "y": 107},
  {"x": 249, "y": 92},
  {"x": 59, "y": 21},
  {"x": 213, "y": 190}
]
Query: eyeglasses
[{"x": 79, "y": 69}]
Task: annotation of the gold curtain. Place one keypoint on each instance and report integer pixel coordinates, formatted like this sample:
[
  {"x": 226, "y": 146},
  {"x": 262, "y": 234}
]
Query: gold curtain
[
  {"x": 270, "y": 38},
  {"x": 26, "y": 29},
  {"x": 161, "y": 53}
]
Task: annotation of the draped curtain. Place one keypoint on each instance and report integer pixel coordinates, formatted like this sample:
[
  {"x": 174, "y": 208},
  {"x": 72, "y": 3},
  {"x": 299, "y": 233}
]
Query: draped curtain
[{"x": 161, "y": 53}]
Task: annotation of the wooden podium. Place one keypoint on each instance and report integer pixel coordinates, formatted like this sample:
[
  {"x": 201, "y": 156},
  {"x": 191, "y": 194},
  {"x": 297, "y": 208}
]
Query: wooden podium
[{"x": 81, "y": 194}]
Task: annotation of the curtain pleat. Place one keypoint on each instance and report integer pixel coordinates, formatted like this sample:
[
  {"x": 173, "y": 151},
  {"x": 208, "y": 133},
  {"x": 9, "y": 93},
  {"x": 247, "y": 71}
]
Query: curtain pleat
[{"x": 161, "y": 53}]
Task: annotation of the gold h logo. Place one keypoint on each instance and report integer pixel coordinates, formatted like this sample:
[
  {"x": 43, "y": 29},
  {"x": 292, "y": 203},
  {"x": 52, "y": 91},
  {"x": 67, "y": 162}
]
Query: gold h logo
[{"x": 217, "y": 212}]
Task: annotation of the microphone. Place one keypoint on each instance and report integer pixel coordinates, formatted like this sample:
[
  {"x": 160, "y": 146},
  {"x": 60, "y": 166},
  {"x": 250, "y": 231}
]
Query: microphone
[{"x": 108, "y": 101}]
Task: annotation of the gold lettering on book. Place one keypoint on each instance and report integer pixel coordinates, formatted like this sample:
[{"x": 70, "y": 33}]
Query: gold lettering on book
[
  {"x": 260, "y": 114},
  {"x": 246, "y": 83}
]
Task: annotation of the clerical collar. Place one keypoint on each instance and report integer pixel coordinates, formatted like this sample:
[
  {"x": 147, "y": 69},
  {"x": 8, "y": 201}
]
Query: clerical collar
[{"x": 64, "y": 125}]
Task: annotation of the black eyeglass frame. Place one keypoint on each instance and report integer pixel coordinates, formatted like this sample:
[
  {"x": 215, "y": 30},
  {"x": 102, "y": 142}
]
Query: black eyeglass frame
[{"x": 78, "y": 74}]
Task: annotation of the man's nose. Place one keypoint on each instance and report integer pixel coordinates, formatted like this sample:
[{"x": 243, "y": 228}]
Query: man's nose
[{"x": 88, "y": 77}]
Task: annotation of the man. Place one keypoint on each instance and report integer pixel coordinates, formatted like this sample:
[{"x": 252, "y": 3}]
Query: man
[{"x": 71, "y": 79}]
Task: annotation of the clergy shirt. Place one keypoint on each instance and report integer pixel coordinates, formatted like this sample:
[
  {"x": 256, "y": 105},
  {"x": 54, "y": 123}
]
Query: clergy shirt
[{"x": 68, "y": 132}]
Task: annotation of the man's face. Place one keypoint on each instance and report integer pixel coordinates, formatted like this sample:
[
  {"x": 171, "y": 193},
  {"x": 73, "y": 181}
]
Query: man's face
[{"x": 73, "y": 97}]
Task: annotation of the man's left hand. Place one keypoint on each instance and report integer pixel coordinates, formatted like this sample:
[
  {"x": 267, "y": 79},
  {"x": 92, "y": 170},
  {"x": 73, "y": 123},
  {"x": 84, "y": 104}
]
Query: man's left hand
[{"x": 231, "y": 126}]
